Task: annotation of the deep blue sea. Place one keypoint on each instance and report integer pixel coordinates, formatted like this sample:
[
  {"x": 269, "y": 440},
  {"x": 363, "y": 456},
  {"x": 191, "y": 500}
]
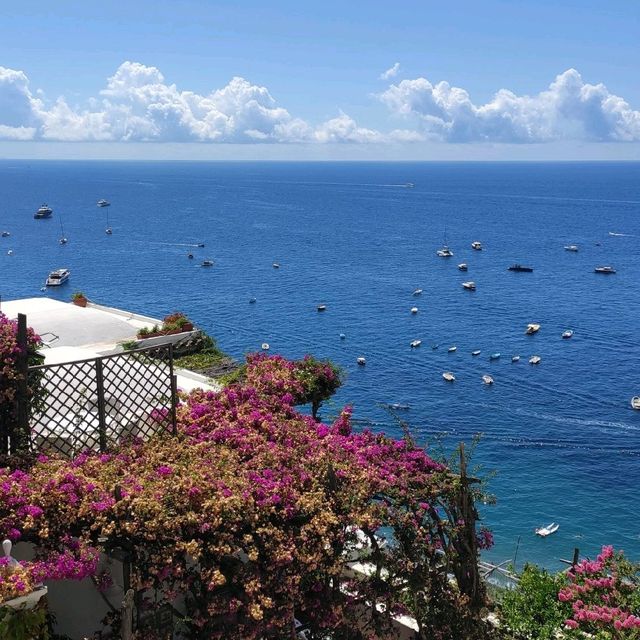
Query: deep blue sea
[{"x": 561, "y": 436}]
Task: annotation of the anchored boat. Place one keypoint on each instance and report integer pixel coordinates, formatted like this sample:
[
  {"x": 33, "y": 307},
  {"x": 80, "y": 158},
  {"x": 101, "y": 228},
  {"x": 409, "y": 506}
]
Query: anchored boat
[
  {"x": 45, "y": 211},
  {"x": 58, "y": 277},
  {"x": 548, "y": 530}
]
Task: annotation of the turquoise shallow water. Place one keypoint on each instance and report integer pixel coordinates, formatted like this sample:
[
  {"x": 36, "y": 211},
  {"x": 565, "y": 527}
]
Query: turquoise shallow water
[{"x": 561, "y": 436}]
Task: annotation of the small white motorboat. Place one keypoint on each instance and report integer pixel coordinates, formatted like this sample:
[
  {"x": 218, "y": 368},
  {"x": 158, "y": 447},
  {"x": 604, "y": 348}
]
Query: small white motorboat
[
  {"x": 5, "y": 234},
  {"x": 276, "y": 265},
  {"x": 207, "y": 263},
  {"x": 548, "y": 530},
  {"x": 10, "y": 252},
  {"x": 487, "y": 379},
  {"x": 476, "y": 245},
  {"x": 252, "y": 300},
  {"x": 604, "y": 270},
  {"x": 448, "y": 376},
  {"x": 463, "y": 266},
  {"x": 477, "y": 352},
  {"x": 322, "y": 307},
  {"x": 417, "y": 292},
  {"x": 635, "y": 403},
  {"x": 397, "y": 406},
  {"x": 571, "y": 247},
  {"x": 532, "y": 328},
  {"x": 108, "y": 231},
  {"x": 494, "y": 356},
  {"x": 342, "y": 336},
  {"x": 414, "y": 310},
  {"x": 265, "y": 346},
  {"x": 445, "y": 252},
  {"x": 515, "y": 358},
  {"x": 567, "y": 334},
  {"x": 415, "y": 343},
  {"x": 452, "y": 349},
  {"x": 361, "y": 361},
  {"x": 103, "y": 203},
  {"x": 469, "y": 286},
  {"x": 535, "y": 360}
]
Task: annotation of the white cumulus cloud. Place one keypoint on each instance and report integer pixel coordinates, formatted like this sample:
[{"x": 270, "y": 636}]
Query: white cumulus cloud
[
  {"x": 138, "y": 104},
  {"x": 568, "y": 109},
  {"x": 390, "y": 73}
]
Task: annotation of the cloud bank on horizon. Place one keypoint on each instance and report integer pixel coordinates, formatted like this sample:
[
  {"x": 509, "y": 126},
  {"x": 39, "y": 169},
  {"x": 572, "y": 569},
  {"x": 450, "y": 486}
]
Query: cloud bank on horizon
[{"x": 138, "y": 105}]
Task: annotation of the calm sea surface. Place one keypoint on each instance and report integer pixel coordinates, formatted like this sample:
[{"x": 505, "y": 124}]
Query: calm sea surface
[{"x": 561, "y": 436}]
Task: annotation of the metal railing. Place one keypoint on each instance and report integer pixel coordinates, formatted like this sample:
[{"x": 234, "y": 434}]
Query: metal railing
[{"x": 96, "y": 403}]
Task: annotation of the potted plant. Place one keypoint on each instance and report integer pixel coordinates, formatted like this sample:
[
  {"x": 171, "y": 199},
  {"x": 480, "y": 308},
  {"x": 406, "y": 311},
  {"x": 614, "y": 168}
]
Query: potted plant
[
  {"x": 79, "y": 299},
  {"x": 177, "y": 320}
]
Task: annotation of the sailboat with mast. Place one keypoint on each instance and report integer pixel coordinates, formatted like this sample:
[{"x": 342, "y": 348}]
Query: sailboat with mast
[
  {"x": 63, "y": 238},
  {"x": 108, "y": 230},
  {"x": 444, "y": 251}
]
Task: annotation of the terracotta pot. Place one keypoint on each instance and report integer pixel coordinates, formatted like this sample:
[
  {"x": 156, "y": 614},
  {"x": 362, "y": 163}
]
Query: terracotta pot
[{"x": 80, "y": 302}]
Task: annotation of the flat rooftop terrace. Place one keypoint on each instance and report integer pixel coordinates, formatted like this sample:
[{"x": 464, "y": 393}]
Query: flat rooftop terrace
[{"x": 88, "y": 332}]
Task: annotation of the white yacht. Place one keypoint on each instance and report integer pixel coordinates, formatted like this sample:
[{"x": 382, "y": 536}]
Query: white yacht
[
  {"x": 463, "y": 266},
  {"x": 448, "y": 376},
  {"x": 58, "y": 277},
  {"x": 361, "y": 361},
  {"x": 417, "y": 292},
  {"x": 476, "y": 245},
  {"x": 535, "y": 360},
  {"x": 103, "y": 203},
  {"x": 532, "y": 328},
  {"x": 567, "y": 334},
  {"x": 415, "y": 343},
  {"x": 635, "y": 403},
  {"x": 487, "y": 379},
  {"x": 45, "y": 211},
  {"x": 452, "y": 349},
  {"x": 571, "y": 247},
  {"x": 469, "y": 286},
  {"x": 414, "y": 310}
]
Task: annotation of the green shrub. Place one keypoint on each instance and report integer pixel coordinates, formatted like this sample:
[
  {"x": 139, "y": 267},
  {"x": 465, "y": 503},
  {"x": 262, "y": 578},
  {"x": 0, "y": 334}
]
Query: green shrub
[{"x": 532, "y": 610}]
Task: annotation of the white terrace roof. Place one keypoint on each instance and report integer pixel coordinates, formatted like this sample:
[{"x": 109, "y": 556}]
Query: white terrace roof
[
  {"x": 97, "y": 327},
  {"x": 88, "y": 332}
]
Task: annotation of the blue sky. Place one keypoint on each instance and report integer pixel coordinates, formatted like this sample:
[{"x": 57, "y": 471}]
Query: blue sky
[{"x": 498, "y": 79}]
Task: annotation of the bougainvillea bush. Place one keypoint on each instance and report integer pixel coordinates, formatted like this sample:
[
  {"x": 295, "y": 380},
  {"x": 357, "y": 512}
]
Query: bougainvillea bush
[
  {"x": 252, "y": 513},
  {"x": 604, "y": 596},
  {"x": 10, "y": 376}
]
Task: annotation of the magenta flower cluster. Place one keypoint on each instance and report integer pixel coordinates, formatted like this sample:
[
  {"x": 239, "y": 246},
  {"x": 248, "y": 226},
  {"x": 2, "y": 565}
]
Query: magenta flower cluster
[{"x": 602, "y": 594}]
